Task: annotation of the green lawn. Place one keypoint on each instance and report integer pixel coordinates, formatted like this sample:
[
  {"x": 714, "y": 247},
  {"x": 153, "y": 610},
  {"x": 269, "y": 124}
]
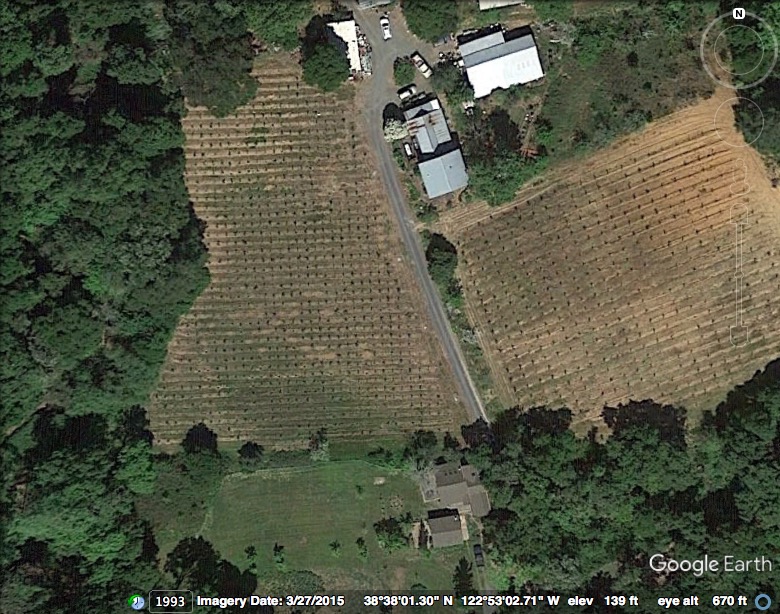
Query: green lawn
[{"x": 305, "y": 509}]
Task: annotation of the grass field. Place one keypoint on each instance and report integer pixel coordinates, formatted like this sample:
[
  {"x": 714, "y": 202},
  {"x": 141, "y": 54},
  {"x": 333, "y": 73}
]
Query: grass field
[
  {"x": 613, "y": 279},
  {"x": 312, "y": 318},
  {"x": 305, "y": 509},
  {"x": 610, "y": 67}
]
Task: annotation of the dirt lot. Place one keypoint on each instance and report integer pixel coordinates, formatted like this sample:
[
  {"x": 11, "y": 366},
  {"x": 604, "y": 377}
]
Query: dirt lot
[
  {"x": 311, "y": 319},
  {"x": 614, "y": 279}
]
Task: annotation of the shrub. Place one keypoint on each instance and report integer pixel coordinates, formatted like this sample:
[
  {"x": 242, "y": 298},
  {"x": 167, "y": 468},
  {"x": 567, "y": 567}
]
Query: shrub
[{"x": 403, "y": 71}]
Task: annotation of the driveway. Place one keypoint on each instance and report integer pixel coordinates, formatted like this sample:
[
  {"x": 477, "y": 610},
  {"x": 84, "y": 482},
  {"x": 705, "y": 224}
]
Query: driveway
[{"x": 376, "y": 92}]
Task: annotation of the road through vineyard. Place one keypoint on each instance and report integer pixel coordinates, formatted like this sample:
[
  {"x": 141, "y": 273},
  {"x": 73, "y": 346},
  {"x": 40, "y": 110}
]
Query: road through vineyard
[
  {"x": 312, "y": 318},
  {"x": 614, "y": 278}
]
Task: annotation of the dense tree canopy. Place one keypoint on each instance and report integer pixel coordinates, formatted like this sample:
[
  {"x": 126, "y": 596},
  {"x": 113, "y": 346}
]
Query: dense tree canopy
[
  {"x": 211, "y": 53},
  {"x": 751, "y": 56},
  {"x": 100, "y": 253},
  {"x": 567, "y": 509},
  {"x": 277, "y": 23},
  {"x": 442, "y": 258},
  {"x": 430, "y": 20},
  {"x": 448, "y": 79},
  {"x": 325, "y": 66}
]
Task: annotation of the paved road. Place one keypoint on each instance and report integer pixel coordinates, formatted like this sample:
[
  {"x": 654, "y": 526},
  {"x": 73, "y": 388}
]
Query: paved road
[{"x": 380, "y": 90}]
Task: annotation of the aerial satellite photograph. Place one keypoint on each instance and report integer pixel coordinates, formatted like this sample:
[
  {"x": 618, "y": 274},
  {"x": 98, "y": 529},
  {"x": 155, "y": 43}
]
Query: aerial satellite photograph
[{"x": 354, "y": 306}]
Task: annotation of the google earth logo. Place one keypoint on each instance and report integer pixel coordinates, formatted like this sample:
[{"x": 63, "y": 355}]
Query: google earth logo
[{"x": 136, "y": 602}]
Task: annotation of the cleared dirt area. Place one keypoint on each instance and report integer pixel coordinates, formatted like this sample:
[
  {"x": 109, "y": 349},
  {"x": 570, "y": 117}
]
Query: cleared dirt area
[
  {"x": 312, "y": 319},
  {"x": 614, "y": 279}
]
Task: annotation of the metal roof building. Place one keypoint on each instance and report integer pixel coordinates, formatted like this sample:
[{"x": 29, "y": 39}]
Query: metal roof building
[
  {"x": 501, "y": 59},
  {"x": 444, "y": 174},
  {"x": 426, "y": 124},
  {"x": 346, "y": 31},
  {"x": 370, "y": 4},
  {"x": 440, "y": 161},
  {"x": 486, "y": 5}
]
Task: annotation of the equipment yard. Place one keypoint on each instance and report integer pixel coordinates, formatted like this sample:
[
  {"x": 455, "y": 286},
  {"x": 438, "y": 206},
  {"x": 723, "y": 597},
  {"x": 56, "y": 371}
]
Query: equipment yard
[
  {"x": 614, "y": 279},
  {"x": 311, "y": 318}
]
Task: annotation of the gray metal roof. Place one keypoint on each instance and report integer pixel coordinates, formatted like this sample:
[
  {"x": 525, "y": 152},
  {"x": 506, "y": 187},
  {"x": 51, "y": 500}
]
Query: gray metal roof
[
  {"x": 444, "y": 174},
  {"x": 369, "y": 4},
  {"x": 478, "y": 44},
  {"x": 426, "y": 124},
  {"x": 486, "y": 5},
  {"x": 487, "y": 53}
]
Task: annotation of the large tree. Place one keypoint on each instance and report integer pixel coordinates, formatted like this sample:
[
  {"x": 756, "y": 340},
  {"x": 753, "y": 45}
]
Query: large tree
[
  {"x": 325, "y": 66},
  {"x": 211, "y": 53},
  {"x": 430, "y": 20},
  {"x": 277, "y": 23}
]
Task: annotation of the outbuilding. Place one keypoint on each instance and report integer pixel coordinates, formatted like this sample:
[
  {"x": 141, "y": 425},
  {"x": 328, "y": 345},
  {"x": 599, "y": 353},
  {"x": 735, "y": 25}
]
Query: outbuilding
[
  {"x": 439, "y": 158},
  {"x": 345, "y": 34},
  {"x": 496, "y": 58}
]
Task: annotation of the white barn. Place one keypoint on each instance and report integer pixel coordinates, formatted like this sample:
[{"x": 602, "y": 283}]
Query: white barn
[{"x": 500, "y": 60}]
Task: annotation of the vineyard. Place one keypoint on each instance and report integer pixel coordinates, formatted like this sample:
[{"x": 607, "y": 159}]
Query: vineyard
[
  {"x": 614, "y": 279},
  {"x": 312, "y": 319}
]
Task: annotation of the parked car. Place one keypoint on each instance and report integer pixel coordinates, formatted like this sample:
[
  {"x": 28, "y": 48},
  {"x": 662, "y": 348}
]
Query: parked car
[
  {"x": 384, "y": 22},
  {"x": 443, "y": 40},
  {"x": 407, "y": 92},
  {"x": 421, "y": 65},
  {"x": 479, "y": 557},
  {"x": 408, "y": 151}
]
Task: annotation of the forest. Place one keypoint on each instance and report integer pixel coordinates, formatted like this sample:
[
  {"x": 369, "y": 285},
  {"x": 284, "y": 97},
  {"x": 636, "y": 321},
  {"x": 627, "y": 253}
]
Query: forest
[
  {"x": 752, "y": 59},
  {"x": 100, "y": 253},
  {"x": 584, "y": 515}
]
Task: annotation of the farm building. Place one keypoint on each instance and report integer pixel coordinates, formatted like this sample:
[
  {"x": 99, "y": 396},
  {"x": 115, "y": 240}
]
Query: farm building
[
  {"x": 500, "y": 59},
  {"x": 456, "y": 486},
  {"x": 439, "y": 158},
  {"x": 370, "y": 4},
  {"x": 345, "y": 35},
  {"x": 486, "y": 5},
  {"x": 445, "y": 528}
]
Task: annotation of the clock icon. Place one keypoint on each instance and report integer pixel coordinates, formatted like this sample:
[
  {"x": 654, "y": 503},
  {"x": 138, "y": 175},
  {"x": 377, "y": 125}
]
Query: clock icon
[{"x": 137, "y": 602}]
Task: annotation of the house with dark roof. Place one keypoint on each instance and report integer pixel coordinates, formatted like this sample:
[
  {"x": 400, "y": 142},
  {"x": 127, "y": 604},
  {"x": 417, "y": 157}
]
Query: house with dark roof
[
  {"x": 457, "y": 486},
  {"x": 445, "y": 528},
  {"x": 439, "y": 158}
]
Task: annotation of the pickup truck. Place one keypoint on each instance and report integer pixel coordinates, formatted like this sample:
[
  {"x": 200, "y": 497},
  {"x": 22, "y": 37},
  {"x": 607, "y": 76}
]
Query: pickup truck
[{"x": 421, "y": 65}]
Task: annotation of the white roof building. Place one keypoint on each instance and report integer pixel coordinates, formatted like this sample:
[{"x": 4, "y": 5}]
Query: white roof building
[
  {"x": 347, "y": 31},
  {"x": 486, "y": 5},
  {"x": 501, "y": 59}
]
